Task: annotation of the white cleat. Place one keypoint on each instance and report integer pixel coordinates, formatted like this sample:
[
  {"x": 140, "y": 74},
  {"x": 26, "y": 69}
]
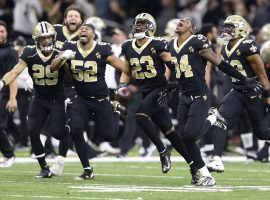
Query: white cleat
[
  {"x": 206, "y": 181},
  {"x": 220, "y": 122},
  {"x": 216, "y": 165},
  {"x": 58, "y": 167},
  {"x": 106, "y": 147},
  {"x": 8, "y": 162}
]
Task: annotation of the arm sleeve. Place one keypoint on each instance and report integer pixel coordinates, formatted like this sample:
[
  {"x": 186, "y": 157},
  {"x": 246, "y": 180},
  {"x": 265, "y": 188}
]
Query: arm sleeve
[{"x": 231, "y": 71}]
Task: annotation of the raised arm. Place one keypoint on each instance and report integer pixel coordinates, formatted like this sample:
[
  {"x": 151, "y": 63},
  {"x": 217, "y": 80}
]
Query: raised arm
[
  {"x": 14, "y": 73},
  {"x": 210, "y": 56},
  {"x": 61, "y": 59}
]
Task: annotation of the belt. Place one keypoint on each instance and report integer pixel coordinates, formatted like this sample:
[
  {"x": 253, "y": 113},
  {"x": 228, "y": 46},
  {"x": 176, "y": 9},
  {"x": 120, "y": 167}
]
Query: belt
[{"x": 193, "y": 97}]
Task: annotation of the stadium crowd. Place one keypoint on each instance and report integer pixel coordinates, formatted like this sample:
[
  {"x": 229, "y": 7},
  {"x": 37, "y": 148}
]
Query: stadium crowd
[{"x": 112, "y": 21}]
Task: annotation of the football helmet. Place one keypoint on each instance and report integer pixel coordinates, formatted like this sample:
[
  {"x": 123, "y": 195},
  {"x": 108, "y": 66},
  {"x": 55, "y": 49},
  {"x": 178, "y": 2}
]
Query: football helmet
[
  {"x": 144, "y": 26},
  {"x": 239, "y": 28},
  {"x": 42, "y": 30},
  {"x": 265, "y": 30},
  {"x": 170, "y": 27},
  {"x": 265, "y": 52}
]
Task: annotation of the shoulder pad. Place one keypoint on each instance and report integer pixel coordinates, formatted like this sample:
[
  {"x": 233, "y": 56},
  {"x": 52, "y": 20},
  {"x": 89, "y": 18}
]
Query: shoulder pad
[
  {"x": 31, "y": 46},
  {"x": 58, "y": 25},
  {"x": 201, "y": 37},
  {"x": 247, "y": 41},
  {"x": 103, "y": 43},
  {"x": 71, "y": 41},
  {"x": 159, "y": 38}
]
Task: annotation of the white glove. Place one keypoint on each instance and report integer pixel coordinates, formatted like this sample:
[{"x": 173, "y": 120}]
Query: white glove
[
  {"x": 2, "y": 84},
  {"x": 29, "y": 85},
  {"x": 68, "y": 54},
  {"x": 67, "y": 102}
]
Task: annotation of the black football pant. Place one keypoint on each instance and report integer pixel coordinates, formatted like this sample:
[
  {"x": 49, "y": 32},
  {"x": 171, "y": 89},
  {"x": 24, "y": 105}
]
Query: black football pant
[
  {"x": 81, "y": 110},
  {"x": 5, "y": 146},
  {"x": 39, "y": 111},
  {"x": 192, "y": 112}
]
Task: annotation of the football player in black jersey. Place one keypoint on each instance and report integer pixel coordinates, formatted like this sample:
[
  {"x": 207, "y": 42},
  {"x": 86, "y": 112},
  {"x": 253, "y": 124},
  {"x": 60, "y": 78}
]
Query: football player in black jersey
[
  {"x": 190, "y": 54},
  {"x": 146, "y": 57},
  {"x": 244, "y": 55},
  {"x": 73, "y": 18},
  {"x": 87, "y": 60},
  {"x": 48, "y": 97}
]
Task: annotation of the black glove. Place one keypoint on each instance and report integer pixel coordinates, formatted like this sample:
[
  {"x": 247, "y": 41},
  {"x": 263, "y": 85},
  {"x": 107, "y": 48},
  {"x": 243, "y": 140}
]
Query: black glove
[
  {"x": 252, "y": 83},
  {"x": 121, "y": 85},
  {"x": 166, "y": 93},
  {"x": 267, "y": 109}
]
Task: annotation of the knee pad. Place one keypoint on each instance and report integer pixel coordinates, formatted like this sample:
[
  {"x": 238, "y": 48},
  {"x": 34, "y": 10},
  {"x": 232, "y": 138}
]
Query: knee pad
[{"x": 142, "y": 118}]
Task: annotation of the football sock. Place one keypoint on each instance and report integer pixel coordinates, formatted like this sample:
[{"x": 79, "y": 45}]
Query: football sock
[
  {"x": 146, "y": 124},
  {"x": 64, "y": 145},
  {"x": 219, "y": 141},
  {"x": 177, "y": 142},
  {"x": 194, "y": 153}
]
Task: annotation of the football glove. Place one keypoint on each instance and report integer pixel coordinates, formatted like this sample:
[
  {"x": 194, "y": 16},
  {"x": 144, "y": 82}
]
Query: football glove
[
  {"x": 267, "y": 109},
  {"x": 121, "y": 85},
  {"x": 166, "y": 93},
  {"x": 29, "y": 85},
  {"x": 68, "y": 54},
  {"x": 2, "y": 84},
  {"x": 253, "y": 84}
]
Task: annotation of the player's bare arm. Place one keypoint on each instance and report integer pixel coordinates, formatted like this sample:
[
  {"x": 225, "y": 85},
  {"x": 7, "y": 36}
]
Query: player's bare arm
[
  {"x": 14, "y": 73},
  {"x": 118, "y": 64}
]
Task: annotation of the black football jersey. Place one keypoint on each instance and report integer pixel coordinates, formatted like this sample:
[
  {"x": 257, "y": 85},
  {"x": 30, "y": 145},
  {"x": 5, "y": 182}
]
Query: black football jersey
[
  {"x": 237, "y": 56},
  {"x": 189, "y": 65},
  {"x": 88, "y": 68},
  {"x": 147, "y": 67},
  {"x": 47, "y": 84},
  {"x": 8, "y": 59},
  {"x": 62, "y": 35}
]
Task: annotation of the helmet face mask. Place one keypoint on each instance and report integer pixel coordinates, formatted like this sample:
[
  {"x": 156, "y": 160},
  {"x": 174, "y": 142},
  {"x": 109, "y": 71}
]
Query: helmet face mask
[
  {"x": 143, "y": 26},
  {"x": 235, "y": 27},
  {"x": 42, "y": 33}
]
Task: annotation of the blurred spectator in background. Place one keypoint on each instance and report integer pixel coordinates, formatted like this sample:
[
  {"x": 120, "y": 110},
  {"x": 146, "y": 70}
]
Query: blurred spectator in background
[
  {"x": 23, "y": 98},
  {"x": 26, "y": 15}
]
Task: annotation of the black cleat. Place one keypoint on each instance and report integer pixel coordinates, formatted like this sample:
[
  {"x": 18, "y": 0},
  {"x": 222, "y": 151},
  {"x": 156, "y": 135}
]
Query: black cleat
[
  {"x": 44, "y": 173},
  {"x": 86, "y": 175},
  {"x": 120, "y": 109},
  {"x": 165, "y": 159},
  {"x": 194, "y": 175},
  {"x": 263, "y": 155}
]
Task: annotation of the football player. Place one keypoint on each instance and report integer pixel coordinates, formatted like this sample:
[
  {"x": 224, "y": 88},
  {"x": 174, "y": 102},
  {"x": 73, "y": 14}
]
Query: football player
[
  {"x": 146, "y": 57},
  {"x": 87, "y": 60},
  {"x": 190, "y": 54},
  {"x": 48, "y": 97},
  {"x": 73, "y": 18},
  {"x": 244, "y": 55}
]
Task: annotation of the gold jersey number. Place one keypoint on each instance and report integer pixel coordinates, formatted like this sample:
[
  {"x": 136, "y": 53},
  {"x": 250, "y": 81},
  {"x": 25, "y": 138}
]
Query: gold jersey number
[
  {"x": 44, "y": 76},
  {"x": 137, "y": 68},
  {"x": 239, "y": 67},
  {"x": 89, "y": 74},
  {"x": 183, "y": 66}
]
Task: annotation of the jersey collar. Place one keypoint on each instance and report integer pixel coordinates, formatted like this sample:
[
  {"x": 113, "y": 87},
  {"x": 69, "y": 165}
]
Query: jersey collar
[
  {"x": 175, "y": 45},
  {"x": 140, "y": 49}
]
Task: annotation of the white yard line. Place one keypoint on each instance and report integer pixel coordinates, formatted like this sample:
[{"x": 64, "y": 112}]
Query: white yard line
[
  {"x": 129, "y": 159},
  {"x": 58, "y": 197}
]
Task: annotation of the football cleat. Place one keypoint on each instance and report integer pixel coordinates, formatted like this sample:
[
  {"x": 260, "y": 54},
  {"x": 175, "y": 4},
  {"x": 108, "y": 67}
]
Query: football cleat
[
  {"x": 220, "y": 122},
  {"x": 206, "y": 181},
  {"x": 216, "y": 165},
  {"x": 194, "y": 175},
  {"x": 58, "y": 166},
  {"x": 118, "y": 108},
  {"x": 44, "y": 173},
  {"x": 8, "y": 162},
  {"x": 263, "y": 155},
  {"x": 86, "y": 175},
  {"x": 165, "y": 159}
]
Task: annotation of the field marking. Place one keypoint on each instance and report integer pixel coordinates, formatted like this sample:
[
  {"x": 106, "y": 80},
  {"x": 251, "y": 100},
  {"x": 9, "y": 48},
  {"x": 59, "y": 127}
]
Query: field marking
[
  {"x": 187, "y": 188},
  {"x": 59, "y": 197},
  {"x": 128, "y": 159}
]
